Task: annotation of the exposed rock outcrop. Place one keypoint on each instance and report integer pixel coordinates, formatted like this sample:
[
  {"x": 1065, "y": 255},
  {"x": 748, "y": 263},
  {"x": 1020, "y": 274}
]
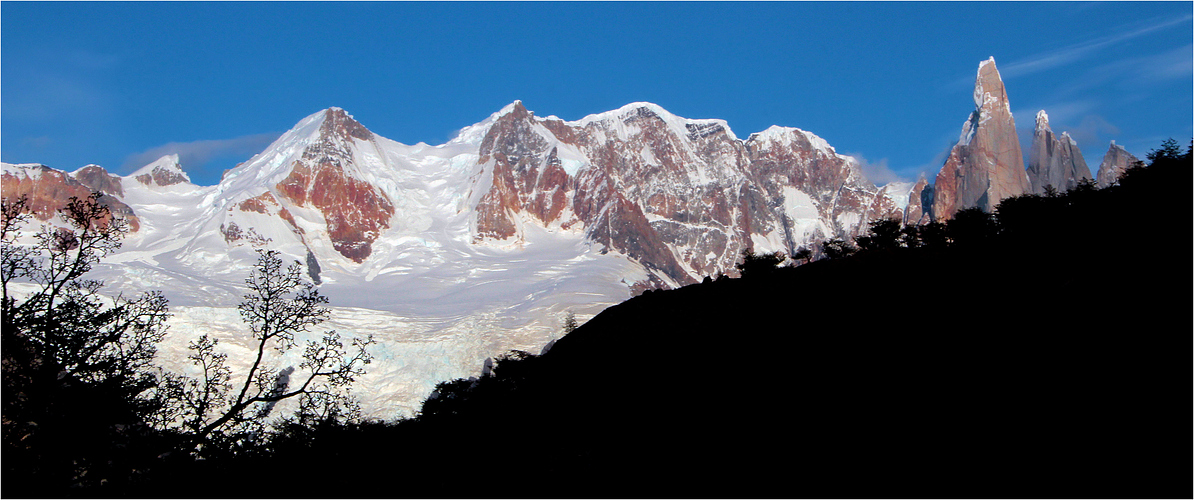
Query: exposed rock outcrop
[
  {"x": 1116, "y": 161},
  {"x": 986, "y": 165},
  {"x": 682, "y": 197},
  {"x": 1054, "y": 161},
  {"x": 48, "y": 190},
  {"x": 355, "y": 210},
  {"x": 98, "y": 179},
  {"x": 165, "y": 171}
]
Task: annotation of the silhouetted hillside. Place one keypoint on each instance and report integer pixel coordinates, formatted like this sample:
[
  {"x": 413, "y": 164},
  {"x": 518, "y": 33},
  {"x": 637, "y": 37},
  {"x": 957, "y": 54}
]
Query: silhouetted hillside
[{"x": 1044, "y": 354}]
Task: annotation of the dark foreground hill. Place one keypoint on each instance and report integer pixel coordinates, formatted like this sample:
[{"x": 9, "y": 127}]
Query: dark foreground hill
[{"x": 1050, "y": 360}]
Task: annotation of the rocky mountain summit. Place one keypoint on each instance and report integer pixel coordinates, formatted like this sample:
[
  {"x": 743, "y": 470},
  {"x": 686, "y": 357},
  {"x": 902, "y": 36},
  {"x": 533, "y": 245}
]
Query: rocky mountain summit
[
  {"x": 1115, "y": 162},
  {"x": 1054, "y": 161},
  {"x": 479, "y": 245},
  {"x": 683, "y": 197},
  {"x": 986, "y": 165},
  {"x": 465, "y": 250}
]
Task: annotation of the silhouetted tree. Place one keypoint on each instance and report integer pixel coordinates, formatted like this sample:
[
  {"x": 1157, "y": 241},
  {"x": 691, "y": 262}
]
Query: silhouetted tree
[
  {"x": 884, "y": 234},
  {"x": 838, "y": 248},
  {"x": 933, "y": 235},
  {"x": 93, "y": 337},
  {"x": 1169, "y": 150},
  {"x": 570, "y": 324},
  {"x": 910, "y": 236},
  {"x": 970, "y": 226},
  {"x": 803, "y": 253},
  {"x": 77, "y": 364},
  {"x": 280, "y": 306},
  {"x": 754, "y": 264}
]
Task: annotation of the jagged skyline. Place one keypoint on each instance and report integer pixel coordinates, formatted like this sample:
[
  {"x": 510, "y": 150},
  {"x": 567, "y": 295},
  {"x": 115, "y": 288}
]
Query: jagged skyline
[{"x": 216, "y": 83}]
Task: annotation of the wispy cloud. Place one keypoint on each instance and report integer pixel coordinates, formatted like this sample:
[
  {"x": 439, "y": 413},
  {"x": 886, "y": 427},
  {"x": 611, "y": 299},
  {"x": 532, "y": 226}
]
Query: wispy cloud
[
  {"x": 195, "y": 155},
  {"x": 39, "y": 142},
  {"x": 930, "y": 169},
  {"x": 1072, "y": 53},
  {"x": 1066, "y": 55},
  {"x": 43, "y": 97},
  {"x": 1091, "y": 130},
  {"x": 879, "y": 172},
  {"x": 1176, "y": 64}
]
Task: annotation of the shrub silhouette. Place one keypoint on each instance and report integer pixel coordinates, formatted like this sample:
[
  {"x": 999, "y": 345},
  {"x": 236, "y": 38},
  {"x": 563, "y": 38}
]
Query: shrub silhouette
[
  {"x": 838, "y": 248},
  {"x": 884, "y": 234},
  {"x": 759, "y": 264}
]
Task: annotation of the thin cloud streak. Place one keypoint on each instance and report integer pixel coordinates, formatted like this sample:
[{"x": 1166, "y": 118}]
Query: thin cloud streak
[
  {"x": 1060, "y": 57},
  {"x": 879, "y": 173},
  {"x": 195, "y": 155},
  {"x": 1069, "y": 54}
]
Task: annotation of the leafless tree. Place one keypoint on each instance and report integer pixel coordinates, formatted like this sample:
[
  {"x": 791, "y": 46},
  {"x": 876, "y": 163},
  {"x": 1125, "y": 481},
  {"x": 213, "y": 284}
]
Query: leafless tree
[
  {"x": 280, "y": 306},
  {"x": 93, "y": 337}
]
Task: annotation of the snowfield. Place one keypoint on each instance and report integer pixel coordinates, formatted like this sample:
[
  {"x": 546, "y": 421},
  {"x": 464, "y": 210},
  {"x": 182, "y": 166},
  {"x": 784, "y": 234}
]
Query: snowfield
[
  {"x": 438, "y": 303},
  {"x": 438, "y": 299}
]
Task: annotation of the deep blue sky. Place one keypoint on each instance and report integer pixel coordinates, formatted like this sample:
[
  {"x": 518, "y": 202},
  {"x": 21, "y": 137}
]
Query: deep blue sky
[{"x": 120, "y": 83}]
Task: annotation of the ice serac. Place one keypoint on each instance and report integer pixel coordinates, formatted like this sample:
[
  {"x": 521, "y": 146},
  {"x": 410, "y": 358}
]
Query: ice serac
[
  {"x": 1115, "y": 163},
  {"x": 1054, "y": 161},
  {"x": 326, "y": 177},
  {"x": 47, "y": 190},
  {"x": 986, "y": 165}
]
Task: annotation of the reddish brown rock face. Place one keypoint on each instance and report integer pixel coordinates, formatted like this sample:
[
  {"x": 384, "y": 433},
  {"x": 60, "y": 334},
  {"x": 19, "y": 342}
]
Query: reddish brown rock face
[
  {"x": 356, "y": 211},
  {"x": 168, "y": 177},
  {"x": 986, "y": 165},
  {"x": 260, "y": 204},
  {"x": 1116, "y": 161},
  {"x": 98, "y": 179},
  {"x": 789, "y": 159},
  {"x": 527, "y": 177},
  {"x": 622, "y": 226},
  {"x": 337, "y": 123},
  {"x": 162, "y": 176},
  {"x": 882, "y": 207},
  {"x": 231, "y": 232},
  {"x": 681, "y": 201},
  {"x": 49, "y": 190},
  {"x": 920, "y": 201}
]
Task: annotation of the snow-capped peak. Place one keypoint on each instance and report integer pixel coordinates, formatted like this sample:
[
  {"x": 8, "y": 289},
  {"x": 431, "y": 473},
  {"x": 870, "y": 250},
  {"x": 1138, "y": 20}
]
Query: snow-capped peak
[
  {"x": 23, "y": 170},
  {"x": 305, "y": 129},
  {"x": 1042, "y": 121},
  {"x": 980, "y": 93},
  {"x": 170, "y": 161},
  {"x": 87, "y": 166},
  {"x": 677, "y": 124},
  {"x": 515, "y": 106},
  {"x": 776, "y": 134},
  {"x": 164, "y": 171},
  {"x": 276, "y": 158}
]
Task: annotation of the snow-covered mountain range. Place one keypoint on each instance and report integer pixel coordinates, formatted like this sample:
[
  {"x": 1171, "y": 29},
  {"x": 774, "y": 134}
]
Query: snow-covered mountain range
[{"x": 453, "y": 253}]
